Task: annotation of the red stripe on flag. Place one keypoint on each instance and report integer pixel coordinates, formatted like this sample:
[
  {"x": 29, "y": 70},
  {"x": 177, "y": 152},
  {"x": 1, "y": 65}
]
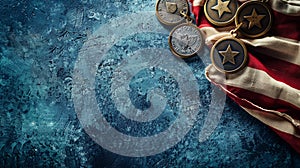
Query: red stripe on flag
[
  {"x": 263, "y": 101},
  {"x": 282, "y": 71},
  {"x": 283, "y": 26},
  {"x": 203, "y": 21},
  {"x": 289, "y": 138},
  {"x": 286, "y": 26}
]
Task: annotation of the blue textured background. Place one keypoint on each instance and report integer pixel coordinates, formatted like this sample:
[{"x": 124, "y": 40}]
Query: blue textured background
[{"x": 39, "y": 44}]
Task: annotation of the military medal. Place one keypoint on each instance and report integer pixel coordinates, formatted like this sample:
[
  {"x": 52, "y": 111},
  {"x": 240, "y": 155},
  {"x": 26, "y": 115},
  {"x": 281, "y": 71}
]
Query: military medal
[
  {"x": 229, "y": 54},
  {"x": 256, "y": 19},
  {"x": 220, "y": 12},
  {"x": 185, "y": 40},
  {"x": 168, "y": 11}
]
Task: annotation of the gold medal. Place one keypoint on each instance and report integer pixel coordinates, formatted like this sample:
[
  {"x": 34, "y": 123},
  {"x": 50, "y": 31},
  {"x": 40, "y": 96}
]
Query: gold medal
[
  {"x": 185, "y": 40},
  {"x": 168, "y": 12},
  {"x": 220, "y": 12},
  {"x": 256, "y": 19},
  {"x": 229, "y": 54}
]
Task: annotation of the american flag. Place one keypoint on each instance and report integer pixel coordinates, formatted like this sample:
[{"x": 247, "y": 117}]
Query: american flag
[{"x": 268, "y": 88}]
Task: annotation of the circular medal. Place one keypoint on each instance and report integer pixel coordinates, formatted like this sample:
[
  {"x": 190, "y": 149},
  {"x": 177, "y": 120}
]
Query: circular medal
[
  {"x": 185, "y": 40},
  {"x": 168, "y": 11},
  {"x": 220, "y": 12},
  {"x": 229, "y": 54},
  {"x": 255, "y": 17}
]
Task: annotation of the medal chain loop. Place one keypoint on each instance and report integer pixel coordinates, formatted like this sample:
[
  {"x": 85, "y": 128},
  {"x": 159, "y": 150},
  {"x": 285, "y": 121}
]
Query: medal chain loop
[
  {"x": 234, "y": 31},
  {"x": 187, "y": 17}
]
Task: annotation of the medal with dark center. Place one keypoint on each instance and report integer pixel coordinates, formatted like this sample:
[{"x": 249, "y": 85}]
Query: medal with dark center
[
  {"x": 220, "y": 12},
  {"x": 168, "y": 11},
  {"x": 229, "y": 54},
  {"x": 256, "y": 19}
]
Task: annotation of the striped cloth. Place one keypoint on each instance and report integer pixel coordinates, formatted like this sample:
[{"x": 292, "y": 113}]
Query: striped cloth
[{"x": 268, "y": 88}]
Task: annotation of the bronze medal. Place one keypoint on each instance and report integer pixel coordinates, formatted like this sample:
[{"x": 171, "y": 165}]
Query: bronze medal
[
  {"x": 220, "y": 12},
  {"x": 256, "y": 19},
  {"x": 169, "y": 11},
  {"x": 229, "y": 54},
  {"x": 185, "y": 40}
]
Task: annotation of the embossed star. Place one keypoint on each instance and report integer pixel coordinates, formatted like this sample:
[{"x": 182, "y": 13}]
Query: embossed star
[
  {"x": 254, "y": 19},
  {"x": 229, "y": 55},
  {"x": 222, "y": 7}
]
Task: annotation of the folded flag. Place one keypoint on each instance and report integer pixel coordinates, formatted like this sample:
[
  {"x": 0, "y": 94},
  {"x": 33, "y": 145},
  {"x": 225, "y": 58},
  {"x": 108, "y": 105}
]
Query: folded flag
[{"x": 268, "y": 88}]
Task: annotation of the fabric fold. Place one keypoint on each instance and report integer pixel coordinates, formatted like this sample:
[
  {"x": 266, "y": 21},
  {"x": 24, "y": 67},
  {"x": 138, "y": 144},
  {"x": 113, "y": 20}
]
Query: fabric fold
[{"x": 268, "y": 88}]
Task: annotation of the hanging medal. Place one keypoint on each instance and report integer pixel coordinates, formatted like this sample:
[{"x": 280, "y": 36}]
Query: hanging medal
[
  {"x": 168, "y": 11},
  {"x": 186, "y": 39},
  {"x": 229, "y": 54},
  {"x": 256, "y": 18},
  {"x": 220, "y": 12}
]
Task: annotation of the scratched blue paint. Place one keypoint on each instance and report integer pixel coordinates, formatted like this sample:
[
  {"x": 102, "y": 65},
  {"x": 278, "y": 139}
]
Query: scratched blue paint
[{"x": 39, "y": 44}]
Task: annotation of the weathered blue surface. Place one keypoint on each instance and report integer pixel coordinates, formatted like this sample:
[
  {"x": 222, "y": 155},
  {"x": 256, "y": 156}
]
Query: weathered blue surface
[{"x": 39, "y": 44}]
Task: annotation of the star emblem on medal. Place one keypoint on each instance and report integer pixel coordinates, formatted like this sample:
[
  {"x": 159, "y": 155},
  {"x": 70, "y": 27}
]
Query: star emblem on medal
[
  {"x": 254, "y": 19},
  {"x": 220, "y": 12},
  {"x": 229, "y": 55},
  {"x": 221, "y": 7}
]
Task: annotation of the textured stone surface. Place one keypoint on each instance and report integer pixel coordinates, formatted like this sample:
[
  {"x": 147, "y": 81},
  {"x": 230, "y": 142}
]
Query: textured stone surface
[{"x": 39, "y": 45}]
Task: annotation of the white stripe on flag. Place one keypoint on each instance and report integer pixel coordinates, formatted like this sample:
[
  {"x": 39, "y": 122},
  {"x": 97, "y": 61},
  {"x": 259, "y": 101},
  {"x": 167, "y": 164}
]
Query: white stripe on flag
[
  {"x": 277, "y": 47},
  {"x": 257, "y": 81}
]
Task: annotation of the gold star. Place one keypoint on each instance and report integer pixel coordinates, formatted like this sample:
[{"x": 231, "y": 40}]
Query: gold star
[
  {"x": 221, "y": 7},
  {"x": 254, "y": 19},
  {"x": 229, "y": 55}
]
